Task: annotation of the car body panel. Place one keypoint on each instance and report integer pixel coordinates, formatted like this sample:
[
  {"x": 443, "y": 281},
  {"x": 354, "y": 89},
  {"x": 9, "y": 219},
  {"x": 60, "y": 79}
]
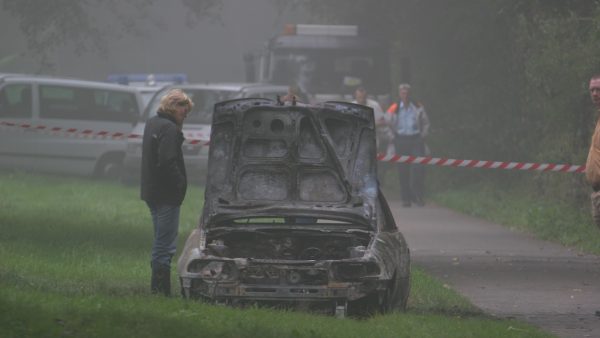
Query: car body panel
[
  {"x": 282, "y": 238},
  {"x": 284, "y": 164}
]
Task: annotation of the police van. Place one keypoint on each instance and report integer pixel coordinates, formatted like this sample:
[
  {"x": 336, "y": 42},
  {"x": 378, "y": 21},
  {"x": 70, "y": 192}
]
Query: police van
[
  {"x": 65, "y": 126},
  {"x": 148, "y": 84}
]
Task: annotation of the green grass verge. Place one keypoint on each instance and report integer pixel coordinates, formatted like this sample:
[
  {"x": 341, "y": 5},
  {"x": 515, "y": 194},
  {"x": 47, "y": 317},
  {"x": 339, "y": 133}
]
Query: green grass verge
[
  {"x": 514, "y": 206},
  {"x": 74, "y": 262}
]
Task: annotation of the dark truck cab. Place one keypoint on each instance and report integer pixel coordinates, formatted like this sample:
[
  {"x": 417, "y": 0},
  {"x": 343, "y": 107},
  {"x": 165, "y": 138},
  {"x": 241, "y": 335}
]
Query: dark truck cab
[{"x": 293, "y": 212}]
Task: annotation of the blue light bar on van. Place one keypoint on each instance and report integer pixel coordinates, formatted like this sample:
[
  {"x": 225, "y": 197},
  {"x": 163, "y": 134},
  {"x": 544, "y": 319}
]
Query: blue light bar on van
[
  {"x": 323, "y": 30},
  {"x": 148, "y": 79}
]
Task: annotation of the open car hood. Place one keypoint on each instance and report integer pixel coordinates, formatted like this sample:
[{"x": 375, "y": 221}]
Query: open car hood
[{"x": 271, "y": 160}]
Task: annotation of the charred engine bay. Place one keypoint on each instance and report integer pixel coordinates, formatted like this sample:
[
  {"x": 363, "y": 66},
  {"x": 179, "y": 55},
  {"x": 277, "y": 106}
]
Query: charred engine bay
[{"x": 288, "y": 245}]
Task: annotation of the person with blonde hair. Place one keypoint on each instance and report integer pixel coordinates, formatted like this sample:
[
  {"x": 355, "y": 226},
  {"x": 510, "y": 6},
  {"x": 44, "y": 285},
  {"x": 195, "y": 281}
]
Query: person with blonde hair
[
  {"x": 173, "y": 101},
  {"x": 164, "y": 182}
]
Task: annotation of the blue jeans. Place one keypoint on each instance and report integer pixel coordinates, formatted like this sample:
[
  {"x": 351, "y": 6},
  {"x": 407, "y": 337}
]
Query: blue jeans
[{"x": 166, "y": 224}]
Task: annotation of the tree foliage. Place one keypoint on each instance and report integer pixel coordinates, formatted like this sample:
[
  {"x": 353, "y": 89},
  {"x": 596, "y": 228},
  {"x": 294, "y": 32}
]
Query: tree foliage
[
  {"x": 501, "y": 79},
  {"x": 88, "y": 25}
]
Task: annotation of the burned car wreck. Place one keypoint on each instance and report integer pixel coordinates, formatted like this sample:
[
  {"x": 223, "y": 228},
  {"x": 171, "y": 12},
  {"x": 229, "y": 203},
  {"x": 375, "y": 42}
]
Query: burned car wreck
[{"x": 293, "y": 212}]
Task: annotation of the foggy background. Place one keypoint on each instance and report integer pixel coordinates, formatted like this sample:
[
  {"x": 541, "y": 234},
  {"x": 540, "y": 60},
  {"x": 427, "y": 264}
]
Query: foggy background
[
  {"x": 210, "y": 49},
  {"x": 500, "y": 80}
]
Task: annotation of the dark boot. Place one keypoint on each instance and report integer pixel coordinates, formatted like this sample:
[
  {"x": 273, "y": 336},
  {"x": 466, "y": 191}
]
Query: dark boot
[{"x": 161, "y": 279}]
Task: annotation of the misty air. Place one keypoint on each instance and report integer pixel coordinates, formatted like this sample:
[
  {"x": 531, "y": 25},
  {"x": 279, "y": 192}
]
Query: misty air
[{"x": 299, "y": 168}]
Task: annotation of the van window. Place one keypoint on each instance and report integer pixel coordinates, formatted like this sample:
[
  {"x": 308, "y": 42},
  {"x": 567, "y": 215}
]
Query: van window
[
  {"x": 15, "y": 101},
  {"x": 63, "y": 102}
]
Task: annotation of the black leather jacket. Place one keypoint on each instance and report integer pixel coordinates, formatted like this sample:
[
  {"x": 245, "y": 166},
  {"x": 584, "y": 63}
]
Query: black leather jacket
[{"x": 164, "y": 180}]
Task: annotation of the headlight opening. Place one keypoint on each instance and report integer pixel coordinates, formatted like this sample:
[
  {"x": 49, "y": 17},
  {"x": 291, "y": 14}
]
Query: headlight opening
[{"x": 213, "y": 270}]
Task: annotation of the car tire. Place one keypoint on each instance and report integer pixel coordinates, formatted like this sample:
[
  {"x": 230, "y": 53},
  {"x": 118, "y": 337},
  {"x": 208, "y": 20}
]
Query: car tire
[
  {"x": 386, "y": 301},
  {"x": 365, "y": 307},
  {"x": 402, "y": 296},
  {"x": 185, "y": 292},
  {"x": 110, "y": 166}
]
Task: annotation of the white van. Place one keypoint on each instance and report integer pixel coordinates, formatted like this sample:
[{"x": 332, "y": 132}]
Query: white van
[
  {"x": 197, "y": 125},
  {"x": 77, "y": 111}
]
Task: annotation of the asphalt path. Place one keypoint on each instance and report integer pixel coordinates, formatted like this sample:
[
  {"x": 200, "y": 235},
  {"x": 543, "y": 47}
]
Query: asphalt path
[{"x": 506, "y": 273}]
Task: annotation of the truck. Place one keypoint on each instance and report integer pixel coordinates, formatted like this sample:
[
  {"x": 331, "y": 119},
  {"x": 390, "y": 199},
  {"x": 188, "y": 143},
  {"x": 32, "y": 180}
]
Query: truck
[{"x": 326, "y": 62}]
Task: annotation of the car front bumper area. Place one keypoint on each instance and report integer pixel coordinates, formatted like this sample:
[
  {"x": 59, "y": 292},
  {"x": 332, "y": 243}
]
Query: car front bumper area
[
  {"x": 225, "y": 291},
  {"x": 281, "y": 283}
]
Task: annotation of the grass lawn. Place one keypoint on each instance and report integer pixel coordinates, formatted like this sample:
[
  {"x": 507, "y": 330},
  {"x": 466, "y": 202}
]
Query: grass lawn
[
  {"x": 74, "y": 262},
  {"x": 514, "y": 206}
]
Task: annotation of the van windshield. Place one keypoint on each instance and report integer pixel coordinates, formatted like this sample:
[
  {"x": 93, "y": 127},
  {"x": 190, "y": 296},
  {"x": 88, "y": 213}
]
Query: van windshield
[
  {"x": 328, "y": 72},
  {"x": 204, "y": 101}
]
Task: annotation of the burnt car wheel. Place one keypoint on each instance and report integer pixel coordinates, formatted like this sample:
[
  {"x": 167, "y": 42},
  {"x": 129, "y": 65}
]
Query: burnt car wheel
[
  {"x": 185, "y": 292},
  {"x": 395, "y": 297},
  {"x": 402, "y": 294},
  {"x": 387, "y": 299},
  {"x": 189, "y": 293},
  {"x": 366, "y": 306}
]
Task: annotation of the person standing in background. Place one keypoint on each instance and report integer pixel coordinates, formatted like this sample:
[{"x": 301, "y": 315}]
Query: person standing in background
[
  {"x": 384, "y": 132},
  {"x": 592, "y": 166},
  {"x": 294, "y": 96},
  {"x": 410, "y": 125}
]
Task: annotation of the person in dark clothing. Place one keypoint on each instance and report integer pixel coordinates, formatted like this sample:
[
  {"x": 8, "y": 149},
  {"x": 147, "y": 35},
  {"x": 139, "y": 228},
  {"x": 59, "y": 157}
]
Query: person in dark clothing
[
  {"x": 164, "y": 181},
  {"x": 410, "y": 125}
]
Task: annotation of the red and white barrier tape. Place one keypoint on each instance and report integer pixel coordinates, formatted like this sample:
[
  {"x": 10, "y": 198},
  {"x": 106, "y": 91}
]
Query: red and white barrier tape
[
  {"x": 449, "y": 162},
  {"x": 444, "y": 162},
  {"x": 85, "y": 133}
]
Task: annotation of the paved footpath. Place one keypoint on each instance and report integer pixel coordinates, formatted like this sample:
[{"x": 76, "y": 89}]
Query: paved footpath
[{"x": 506, "y": 273}]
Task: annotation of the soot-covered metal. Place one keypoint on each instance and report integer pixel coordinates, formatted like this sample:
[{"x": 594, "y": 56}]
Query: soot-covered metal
[{"x": 293, "y": 212}]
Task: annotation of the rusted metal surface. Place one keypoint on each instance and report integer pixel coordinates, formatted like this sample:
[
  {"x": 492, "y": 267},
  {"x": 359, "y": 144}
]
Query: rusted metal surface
[{"x": 293, "y": 211}]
